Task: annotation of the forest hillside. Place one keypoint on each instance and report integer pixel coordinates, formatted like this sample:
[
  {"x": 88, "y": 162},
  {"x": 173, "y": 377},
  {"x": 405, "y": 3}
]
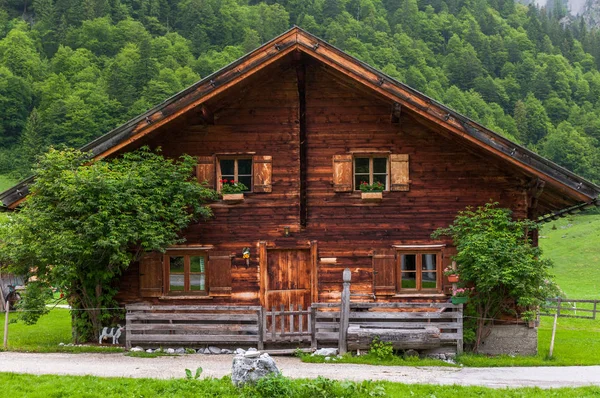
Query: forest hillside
[{"x": 71, "y": 70}]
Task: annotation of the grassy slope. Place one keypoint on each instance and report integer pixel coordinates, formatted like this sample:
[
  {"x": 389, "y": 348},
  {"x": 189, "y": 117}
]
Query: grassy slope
[
  {"x": 575, "y": 248},
  {"x": 6, "y": 182},
  {"x": 573, "y": 244}
]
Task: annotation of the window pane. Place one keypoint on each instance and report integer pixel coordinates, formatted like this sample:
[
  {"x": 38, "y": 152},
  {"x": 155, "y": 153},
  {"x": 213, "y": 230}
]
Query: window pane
[
  {"x": 382, "y": 178},
  {"x": 196, "y": 264},
  {"x": 247, "y": 181},
  {"x": 409, "y": 262},
  {"x": 428, "y": 280},
  {"x": 409, "y": 280},
  {"x": 244, "y": 166},
  {"x": 227, "y": 167},
  {"x": 428, "y": 262},
  {"x": 197, "y": 282},
  {"x": 361, "y": 165},
  {"x": 360, "y": 178},
  {"x": 380, "y": 165},
  {"x": 176, "y": 264},
  {"x": 176, "y": 282}
]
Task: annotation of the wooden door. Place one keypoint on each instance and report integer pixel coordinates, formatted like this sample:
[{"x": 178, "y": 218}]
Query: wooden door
[{"x": 288, "y": 279}]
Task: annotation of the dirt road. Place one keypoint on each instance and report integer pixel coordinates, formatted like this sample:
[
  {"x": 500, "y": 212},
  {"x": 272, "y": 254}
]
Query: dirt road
[{"x": 119, "y": 365}]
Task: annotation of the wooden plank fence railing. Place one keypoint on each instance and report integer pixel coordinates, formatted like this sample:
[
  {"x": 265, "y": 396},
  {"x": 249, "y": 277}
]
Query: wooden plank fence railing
[
  {"x": 569, "y": 308},
  {"x": 189, "y": 325},
  {"x": 350, "y": 325}
]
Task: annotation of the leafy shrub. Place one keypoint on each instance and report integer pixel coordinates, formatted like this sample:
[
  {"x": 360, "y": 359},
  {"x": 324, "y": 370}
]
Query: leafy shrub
[{"x": 381, "y": 349}]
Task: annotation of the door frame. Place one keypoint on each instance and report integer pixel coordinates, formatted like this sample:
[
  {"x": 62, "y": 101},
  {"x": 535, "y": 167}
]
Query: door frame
[{"x": 263, "y": 267}]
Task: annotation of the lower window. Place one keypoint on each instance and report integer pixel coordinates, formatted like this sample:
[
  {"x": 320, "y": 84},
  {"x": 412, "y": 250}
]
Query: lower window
[
  {"x": 185, "y": 273},
  {"x": 419, "y": 271}
]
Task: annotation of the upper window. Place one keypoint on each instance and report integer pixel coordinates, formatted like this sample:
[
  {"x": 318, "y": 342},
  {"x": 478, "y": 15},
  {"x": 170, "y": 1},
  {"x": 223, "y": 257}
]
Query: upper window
[
  {"x": 418, "y": 271},
  {"x": 371, "y": 170},
  {"x": 186, "y": 273},
  {"x": 238, "y": 170}
]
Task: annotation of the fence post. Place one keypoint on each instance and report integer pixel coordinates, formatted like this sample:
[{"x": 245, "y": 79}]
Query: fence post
[
  {"x": 7, "y": 309},
  {"x": 261, "y": 325},
  {"x": 556, "y": 314},
  {"x": 313, "y": 327},
  {"x": 345, "y": 312},
  {"x": 459, "y": 341}
]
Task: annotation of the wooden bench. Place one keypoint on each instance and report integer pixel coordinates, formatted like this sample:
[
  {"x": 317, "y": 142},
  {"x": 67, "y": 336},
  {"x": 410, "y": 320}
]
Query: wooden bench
[{"x": 193, "y": 325}]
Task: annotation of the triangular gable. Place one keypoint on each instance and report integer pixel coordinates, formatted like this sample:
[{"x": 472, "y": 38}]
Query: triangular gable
[{"x": 432, "y": 113}]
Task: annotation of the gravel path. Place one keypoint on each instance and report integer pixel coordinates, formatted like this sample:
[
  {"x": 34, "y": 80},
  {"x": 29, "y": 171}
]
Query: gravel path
[{"x": 119, "y": 365}]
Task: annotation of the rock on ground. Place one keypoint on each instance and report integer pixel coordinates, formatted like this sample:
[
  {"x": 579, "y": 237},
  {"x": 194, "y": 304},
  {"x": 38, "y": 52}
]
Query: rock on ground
[
  {"x": 250, "y": 370},
  {"x": 326, "y": 352}
]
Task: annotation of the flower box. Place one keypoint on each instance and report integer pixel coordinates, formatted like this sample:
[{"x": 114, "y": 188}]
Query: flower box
[
  {"x": 231, "y": 198},
  {"x": 459, "y": 299},
  {"x": 453, "y": 278},
  {"x": 371, "y": 196}
]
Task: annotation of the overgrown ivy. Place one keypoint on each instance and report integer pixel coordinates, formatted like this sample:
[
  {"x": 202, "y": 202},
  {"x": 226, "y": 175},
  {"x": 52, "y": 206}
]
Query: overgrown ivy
[
  {"x": 497, "y": 258},
  {"x": 85, "y": 221}
]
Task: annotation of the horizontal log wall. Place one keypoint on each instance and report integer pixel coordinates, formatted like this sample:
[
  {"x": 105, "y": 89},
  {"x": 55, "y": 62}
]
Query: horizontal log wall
[{"x": 263, "y": 118}]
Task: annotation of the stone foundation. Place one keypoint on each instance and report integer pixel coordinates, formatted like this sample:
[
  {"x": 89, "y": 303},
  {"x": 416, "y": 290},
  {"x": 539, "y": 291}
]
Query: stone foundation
[{"x": 510, "y": 340}]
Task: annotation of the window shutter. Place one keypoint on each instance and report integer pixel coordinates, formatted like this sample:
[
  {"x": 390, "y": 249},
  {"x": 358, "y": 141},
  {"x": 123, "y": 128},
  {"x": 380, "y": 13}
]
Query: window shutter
[
  {"x": 384, "y": 271},
  {"x": 219, "y": 273},
  {"x": 399, "y": 172},
  {"x": 205, "y": 170},
  {"x": 151, "y": 275},
  {"x": 342, "y": 173},
  {"x": 262, "y": 170}
]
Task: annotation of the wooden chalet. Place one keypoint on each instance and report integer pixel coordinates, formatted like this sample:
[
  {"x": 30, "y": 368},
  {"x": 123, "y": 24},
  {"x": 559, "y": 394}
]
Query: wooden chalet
[{"x": 303, "y": 124}]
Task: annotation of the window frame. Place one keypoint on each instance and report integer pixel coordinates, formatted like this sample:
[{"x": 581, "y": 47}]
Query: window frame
[
  {"x": 186, "y": 272},
  {"x": 235, "y": 170},
  {"x": 419, "y": 271},
  {"x": 371, "y": 156}
]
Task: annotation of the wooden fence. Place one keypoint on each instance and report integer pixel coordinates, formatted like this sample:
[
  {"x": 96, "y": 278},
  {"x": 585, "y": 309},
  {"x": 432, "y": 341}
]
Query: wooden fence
[
  {"x": 572, "y": 308},
  {"x": 346, "y": 324}
]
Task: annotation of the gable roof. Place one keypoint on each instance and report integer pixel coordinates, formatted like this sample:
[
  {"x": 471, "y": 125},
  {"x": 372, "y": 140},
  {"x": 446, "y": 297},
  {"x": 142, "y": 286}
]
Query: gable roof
[{"x": 437, "y": 116}]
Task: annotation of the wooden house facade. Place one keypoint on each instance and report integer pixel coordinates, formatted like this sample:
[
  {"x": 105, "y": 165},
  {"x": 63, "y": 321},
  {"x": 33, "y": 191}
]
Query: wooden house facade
[{"x": 303, "y": 124}]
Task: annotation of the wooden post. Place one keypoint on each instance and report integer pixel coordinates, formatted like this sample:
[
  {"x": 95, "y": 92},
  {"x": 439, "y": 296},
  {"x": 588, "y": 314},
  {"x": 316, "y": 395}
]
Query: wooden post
[
  {"x": 7, "y": 309},
  {"x": 314, "y": 272},
  {"x": 262, "y": 321},
  {"x": 345, "y": 312},
  {"x": 312, "y": 319},
  {"x": 262, "y": 265},
  {"x": 459, "y": 341},
  {"x": 128, "y": 327},
  {"x": 550, "y": 353}
]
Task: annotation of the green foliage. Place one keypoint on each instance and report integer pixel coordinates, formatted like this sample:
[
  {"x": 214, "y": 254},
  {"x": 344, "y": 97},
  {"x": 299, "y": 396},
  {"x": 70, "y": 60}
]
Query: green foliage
[
  {"x": 33, "y": 302},
  {"x": 87, "y": 66},
  {"x": 86, "y": 221},
  {"x": 381, "y": 349},
  {"x": 495, "y": 255},
  {"x": 195, "y": 376}
]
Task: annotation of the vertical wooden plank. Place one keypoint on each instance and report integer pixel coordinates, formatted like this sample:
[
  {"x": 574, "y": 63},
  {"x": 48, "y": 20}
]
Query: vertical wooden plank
[
  {"x": 300, "y": 321},
  {"x": 314, "y": 277},
  {"x": 128, "y": 333},
  {"x": 273, "y": 318},
  {"x": 312, "y": 321},
  {"x": 345, "y": 312},
  {"x": 459, "y": 341},
  {"x": 282, "y": 319},
  {"x": 262, "y": 321},
  {"x": 292, "y": 321},
  {"x": 262, "y": 265},
  {"x": 7, "y": 307}
]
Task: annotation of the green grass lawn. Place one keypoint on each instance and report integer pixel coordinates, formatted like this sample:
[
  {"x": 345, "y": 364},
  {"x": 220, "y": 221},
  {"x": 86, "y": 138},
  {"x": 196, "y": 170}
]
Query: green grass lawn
[
  {"x": 15, "y": 385},
  {"x": 6, "y": 182},
  {"x": 45, "y": 336}
]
